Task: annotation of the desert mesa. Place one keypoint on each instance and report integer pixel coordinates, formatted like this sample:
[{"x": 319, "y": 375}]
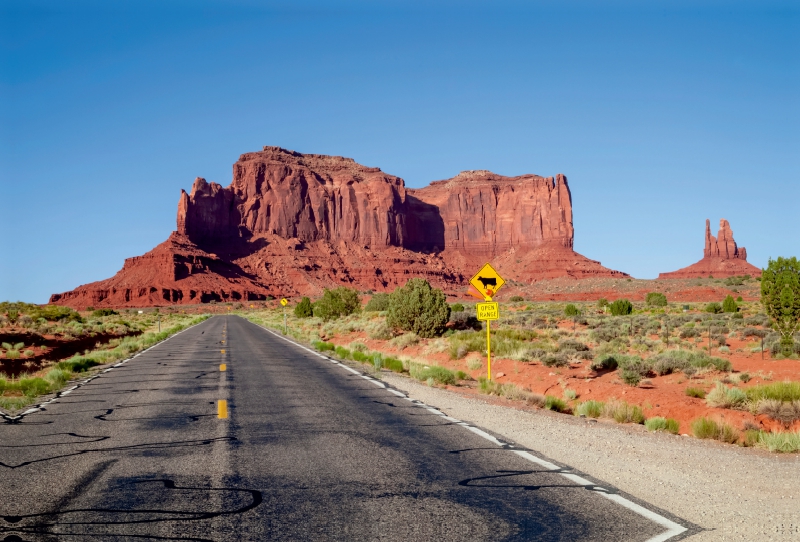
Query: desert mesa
[{"x": 294, "y": 224}]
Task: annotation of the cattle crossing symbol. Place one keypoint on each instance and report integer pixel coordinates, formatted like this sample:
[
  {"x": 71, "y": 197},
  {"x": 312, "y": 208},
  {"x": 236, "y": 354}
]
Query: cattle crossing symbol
[{"x": 487, "y": 282}]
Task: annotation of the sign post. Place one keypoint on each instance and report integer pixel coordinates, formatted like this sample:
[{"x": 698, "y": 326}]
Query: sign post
[
  {"x": 284, "y": 302},
  {"x": 487, "y": 282}
]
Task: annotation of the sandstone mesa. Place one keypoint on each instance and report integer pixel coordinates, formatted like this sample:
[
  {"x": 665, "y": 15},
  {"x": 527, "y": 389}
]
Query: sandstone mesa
[{"x": 293, "y": 224}]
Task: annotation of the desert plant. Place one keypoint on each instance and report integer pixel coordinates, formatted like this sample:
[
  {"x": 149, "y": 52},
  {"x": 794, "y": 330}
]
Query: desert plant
[
  {"x": 570, "y": 395},
  {"x": 104, "y": 312},
  {"x": 622, "y": 412},
  {"x": 785, "y": 412},
  {"x": 379, "y": 330},
  {"x": 602, "y": 303},
  {"x": 724, "y": 397},
  {"x": 419, "y": 308},
  {"x": 342, "y": 352},
  {"x": 714, "y": 308},
  {"x": 606, "y": 361},
  {"x": 705, "y": 428},
  {"x": 590, "y": 409},
  {"x": 554, "y": 403},
  {"x": 780, "y": 295},
  {"x": 517, "y": 299},
  {"x": 378, "y": 302},
  {"x": 695, "y": 392},
  {"x": 304, "y": 309},
  {"x": 458, "y": 307},
  {"x": 621, "y": 307},
  {"x": 474, "y": 364},
  {"x": 571, "y": 310},
  {"x": 336, "y": 303},
  {"x": 404, "y": 341},
  {"x": 440, "y": 375},
  {"x": 780, "y": 442},
  {"x": 729, "y": 304},
  {"x": 659, "y": 423},
  {"x": 322, "y": 346},
  {"x": 656, "y": 299},
  {"x": 779, "y": 391}
]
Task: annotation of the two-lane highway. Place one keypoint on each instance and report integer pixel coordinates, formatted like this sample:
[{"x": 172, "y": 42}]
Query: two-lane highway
[{"x": 229, "y": 432}]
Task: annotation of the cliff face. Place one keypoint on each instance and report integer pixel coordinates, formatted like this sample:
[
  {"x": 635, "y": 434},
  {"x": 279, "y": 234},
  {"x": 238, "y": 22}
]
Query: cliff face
[
  {"x": 292, "y": 223},
  {"x": 722, "y": 257}
]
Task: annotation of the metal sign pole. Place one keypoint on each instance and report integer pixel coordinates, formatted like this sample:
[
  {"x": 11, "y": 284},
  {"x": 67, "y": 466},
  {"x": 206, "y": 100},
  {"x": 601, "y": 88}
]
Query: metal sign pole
[
  {"x": 284, "y": 320},
  {"x": 488, "y": 350}
]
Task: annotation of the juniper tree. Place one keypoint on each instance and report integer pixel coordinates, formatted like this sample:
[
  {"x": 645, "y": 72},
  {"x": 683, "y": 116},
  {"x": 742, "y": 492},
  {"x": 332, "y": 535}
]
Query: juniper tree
[{"x": 780, "y": 295}]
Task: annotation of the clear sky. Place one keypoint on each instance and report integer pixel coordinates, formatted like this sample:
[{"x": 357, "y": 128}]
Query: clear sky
[{"x": 660, "y": 113}]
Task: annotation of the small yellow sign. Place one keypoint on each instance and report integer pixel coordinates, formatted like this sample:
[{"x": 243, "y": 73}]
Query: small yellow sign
[
  {"x": 284, "y": 301},
  {"x": 487, "y": 281},
  {"x": 488, "y": 311}
]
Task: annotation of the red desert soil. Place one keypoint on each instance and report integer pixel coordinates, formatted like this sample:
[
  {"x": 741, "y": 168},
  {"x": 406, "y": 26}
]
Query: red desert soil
[{"x": 662, "y": 396}]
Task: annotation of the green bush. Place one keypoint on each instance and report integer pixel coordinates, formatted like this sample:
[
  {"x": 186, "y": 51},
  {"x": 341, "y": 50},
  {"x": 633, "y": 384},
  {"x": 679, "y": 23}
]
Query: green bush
[
  {"x": 714, "y": 308},
  {"x": 621, "y": 307},
  {"x": 77, "y": 364},
  {"x": 590, "y": 409},
  {"x": 606, "y": 361},
  {"x": 724, "y": 397},
  {"x": 517, "y": 299},
  {"x": 656, "y": 299},
  {"x": 571, "y": 310},
  {"x": 378, "y": 302},
  {"x": 31, "y": 387},
  {"x": 780, "y": 294},
  {"x": 705, "y": 428},
  {"x": 342, "y": 352},
  {"x": 104, "y": 312},
  {"x": 337, "y": 303},
  {"x": 419, "y": 308},
  {"x": 780, "y": 442},
  {"x": 778, "y": 391},
  {"x": 695, "y": 392},
  {"x": 361, "y": 356},
  {"x": 602, "y": 303},
  {"x": 322, "y": 346},
  {"x": 729, "y": 305},
  {"x": 54, "y": 313},
  {"x": 556, "y": 404},
  {"x": 304, "y": 309},
  {"x": 658, "y": 423},
  {"x": 622, "y": 412},
  {"x": 440, "y": 375},
  {"x": 393, "y": 364},
  {"x": 456, "y": 307}
]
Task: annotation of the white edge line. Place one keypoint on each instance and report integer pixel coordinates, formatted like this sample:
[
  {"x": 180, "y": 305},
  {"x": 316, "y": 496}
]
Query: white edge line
[{"x": 673, "y": 529}]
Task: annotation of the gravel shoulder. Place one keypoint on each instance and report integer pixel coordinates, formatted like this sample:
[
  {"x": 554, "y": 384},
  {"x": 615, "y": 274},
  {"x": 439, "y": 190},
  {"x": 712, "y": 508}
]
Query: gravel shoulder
[{"x": 733, "y": 493}]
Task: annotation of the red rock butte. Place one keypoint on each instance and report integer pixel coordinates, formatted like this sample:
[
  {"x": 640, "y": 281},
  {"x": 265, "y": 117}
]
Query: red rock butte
[
  {"x": 721, "y": 258},
  {"x": 293, "y": 224}
]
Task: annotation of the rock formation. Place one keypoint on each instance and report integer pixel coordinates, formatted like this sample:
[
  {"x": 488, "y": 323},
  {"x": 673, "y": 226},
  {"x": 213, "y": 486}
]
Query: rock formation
[
  {"x": 721, "y": 258},
  {"x": 292, "y": 223}
]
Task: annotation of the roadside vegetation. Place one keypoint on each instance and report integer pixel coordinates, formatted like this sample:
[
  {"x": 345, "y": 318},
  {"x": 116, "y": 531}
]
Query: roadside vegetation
[
  {"x": 26, "y": 376},
  {"x": 635, "y": 342}
]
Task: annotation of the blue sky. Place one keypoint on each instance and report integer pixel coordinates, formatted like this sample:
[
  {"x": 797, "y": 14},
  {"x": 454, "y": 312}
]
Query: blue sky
[{"x": 661, "y": 114}]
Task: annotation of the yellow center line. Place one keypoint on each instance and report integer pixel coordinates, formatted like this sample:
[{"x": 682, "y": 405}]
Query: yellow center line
[
  {"x": 223, "y": 351},
  {"x": 222, "y": 409},
  {"x": 223, "y": 367}
]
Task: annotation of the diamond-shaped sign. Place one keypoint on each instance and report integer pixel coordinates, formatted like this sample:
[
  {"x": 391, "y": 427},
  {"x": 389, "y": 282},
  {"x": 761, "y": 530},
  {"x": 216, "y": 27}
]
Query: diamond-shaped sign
[
  {"x": 487, "y": 281},
  {"x": 284, "y": 301}
]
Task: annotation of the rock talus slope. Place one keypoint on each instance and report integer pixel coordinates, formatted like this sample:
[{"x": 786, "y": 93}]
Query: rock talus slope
[
  {"x": 292, "y": 223},
  {"x": 722, "y": 257}
]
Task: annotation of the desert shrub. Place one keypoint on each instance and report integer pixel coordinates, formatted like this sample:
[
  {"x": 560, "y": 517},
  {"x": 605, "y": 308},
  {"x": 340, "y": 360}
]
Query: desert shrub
[
  {"x": 656, "y": 299},
  {"x": 304, "y": 309},
  {"x": 393, "y": 364},
  {"x": 724, "y": 397},
  {"x": 780, "y": 295},
  {"x": 31, "y": 387},
  {"x": 463, "y": 320},
  {"x": 714, "y": 308},
  {"x": 554, "y": 403},
  {"x": 54, "y": 313},
  {"x": 780, "y": 442},
  {"x": 378, "y": 302},
  {"x": 342, "y": 352},
  {"x": 322, "y": 346},
  {"x": 440, "y": 375},
  {"x": 729, "y": 304},
  {"x": 336, "y": 303},
  {"x": 606, "y": 361},
  {"x": 572, "y": 344},
  {"x": 622, "y": 412},
  {"x": 632, "y": 369},
  {"x": 77, "y": 364},
  {"x": 516, "y": 299},
  {"x": 590, "y": 409},
  {"x": 659, "y": 423},
  {"x": 57, "y": 377},
  {"x": 104, "y": 312},
  {"x": 361, "y": 356},
  {"x": 754, "y": 332},
  {"x": 779, "y": 391},
  {"x": 357, "y": 346},
  {"x": 404, "y": 341},
  {"x": 602, "y": 303},
  {"x": 461, "y": 375},
  {"x": 458, "y": 307},
  {"x": 621, "y": 307},
  {"x": 785, "y": 412},
  {"x": 695, "y": 392},
  {"x": 571, "y": 310},
  {"x": 705, "y": 428},
  {"x": 555, "y": 360},
  {"x": 684, "y": 360},
  {"x": 688, "y": 333},
  {"x": 379, "y": 330},
  {"x": 473, "y": 364},
  {"x": 419, "y": 308}
]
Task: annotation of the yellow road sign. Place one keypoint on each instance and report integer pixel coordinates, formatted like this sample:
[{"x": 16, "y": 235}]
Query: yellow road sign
[
  {"x": 488, "y": 311},
  {"x": 487, "y": 281},
  {"x": 284, "y": 301}
]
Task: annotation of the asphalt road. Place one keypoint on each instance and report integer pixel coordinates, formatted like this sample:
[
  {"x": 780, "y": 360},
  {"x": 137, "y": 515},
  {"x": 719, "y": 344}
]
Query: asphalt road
[{"x": 308, "y": 451}]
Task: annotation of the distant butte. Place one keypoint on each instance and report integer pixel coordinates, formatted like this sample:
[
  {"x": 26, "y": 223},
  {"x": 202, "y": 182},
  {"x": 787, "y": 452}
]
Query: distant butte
[
  {"x": 293, "y": 224},
  {"x": 721, "y": 258}
]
